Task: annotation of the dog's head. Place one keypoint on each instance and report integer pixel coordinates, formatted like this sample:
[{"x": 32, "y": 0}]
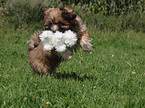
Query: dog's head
[{"x": 58, "y": 19}]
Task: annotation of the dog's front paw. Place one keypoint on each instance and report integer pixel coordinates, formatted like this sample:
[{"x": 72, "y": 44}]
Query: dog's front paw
[
  {"x": 86, "y": 45},
  {"x": 69, "y": 57}
]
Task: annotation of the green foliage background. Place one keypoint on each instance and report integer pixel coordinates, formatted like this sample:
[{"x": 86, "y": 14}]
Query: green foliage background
[{"x": 127, "y": 14}]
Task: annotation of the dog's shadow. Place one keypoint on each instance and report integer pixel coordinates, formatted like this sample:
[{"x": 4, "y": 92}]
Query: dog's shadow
[{"x": 74, "y": 76}]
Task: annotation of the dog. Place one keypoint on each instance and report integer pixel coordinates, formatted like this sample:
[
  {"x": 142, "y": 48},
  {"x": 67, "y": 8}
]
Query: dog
[{"x": 57, "y": 19}]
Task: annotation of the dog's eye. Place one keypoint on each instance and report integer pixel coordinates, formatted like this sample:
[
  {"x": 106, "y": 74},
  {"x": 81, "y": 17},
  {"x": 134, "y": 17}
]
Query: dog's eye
[
  {"x": 36, "y": 44},
  {"x": 61, "y": 24},
  {"x": 47, "y": 26}
]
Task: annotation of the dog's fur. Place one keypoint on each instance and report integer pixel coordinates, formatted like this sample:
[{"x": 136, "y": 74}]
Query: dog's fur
[{"x": 57, "y": 19}]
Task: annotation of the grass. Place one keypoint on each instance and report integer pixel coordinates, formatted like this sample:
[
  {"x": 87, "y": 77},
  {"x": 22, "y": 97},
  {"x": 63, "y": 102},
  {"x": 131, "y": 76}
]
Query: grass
[{"x": 101, "y": 79}]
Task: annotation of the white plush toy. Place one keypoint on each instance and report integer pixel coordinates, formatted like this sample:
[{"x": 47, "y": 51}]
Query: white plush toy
[{"x": 58, "y": 40}]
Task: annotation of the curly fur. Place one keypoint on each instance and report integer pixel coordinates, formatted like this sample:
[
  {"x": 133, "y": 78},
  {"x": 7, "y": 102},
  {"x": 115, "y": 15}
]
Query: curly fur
[{"x": 60, "y": 19}]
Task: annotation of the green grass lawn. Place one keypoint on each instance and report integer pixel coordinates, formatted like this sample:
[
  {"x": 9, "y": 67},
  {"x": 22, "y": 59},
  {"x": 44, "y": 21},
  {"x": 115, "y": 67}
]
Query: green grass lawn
[{"x": 101, "y": 79}]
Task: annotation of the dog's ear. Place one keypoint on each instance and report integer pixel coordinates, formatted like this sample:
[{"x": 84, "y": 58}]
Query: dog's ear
[
  {"x": 42, "y": 12},
  {"x": 45, "y": 11},
  {"x": 68, "y": 14}
]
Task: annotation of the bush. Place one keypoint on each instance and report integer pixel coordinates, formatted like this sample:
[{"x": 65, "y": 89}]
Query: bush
[
  {"x": 117, "y": 23},
  {"x": 111, "y": 7},
  {"x": 2, "y": 2},
  {"x": 22, "y": 12},
  {"x": 104, "y": 14}
]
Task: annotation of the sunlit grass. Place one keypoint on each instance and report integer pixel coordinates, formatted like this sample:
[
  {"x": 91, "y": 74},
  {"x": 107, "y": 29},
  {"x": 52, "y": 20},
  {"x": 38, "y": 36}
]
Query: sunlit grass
[{"x": 112, "y": 76}]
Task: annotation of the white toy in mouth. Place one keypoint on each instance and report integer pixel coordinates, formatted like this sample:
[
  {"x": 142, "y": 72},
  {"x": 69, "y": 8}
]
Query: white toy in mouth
[{"x": 58, "y": 40}]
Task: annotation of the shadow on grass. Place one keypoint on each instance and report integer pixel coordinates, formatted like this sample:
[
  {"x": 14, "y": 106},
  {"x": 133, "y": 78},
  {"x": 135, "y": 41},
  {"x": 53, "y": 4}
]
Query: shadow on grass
[{"x": 74, "y": 76}]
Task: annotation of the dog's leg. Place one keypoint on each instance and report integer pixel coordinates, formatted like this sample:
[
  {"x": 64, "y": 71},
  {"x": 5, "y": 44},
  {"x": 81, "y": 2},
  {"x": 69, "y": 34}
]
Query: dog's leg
[
  {"x": 38, "y": 67},
  {"x": 34, "y": 41},
  {"x": 85, "y": 40},
  {"x": 67, "y": 55}
]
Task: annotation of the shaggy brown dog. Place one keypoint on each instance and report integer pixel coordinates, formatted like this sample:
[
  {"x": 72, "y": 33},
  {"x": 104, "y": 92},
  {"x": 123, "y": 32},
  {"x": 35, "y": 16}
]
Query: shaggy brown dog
[{"x": 57, "y": 19}]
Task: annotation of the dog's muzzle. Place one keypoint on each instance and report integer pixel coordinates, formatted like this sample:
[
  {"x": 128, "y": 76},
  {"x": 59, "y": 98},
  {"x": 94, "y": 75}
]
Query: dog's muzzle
[{"x": 54, "y": 27}]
